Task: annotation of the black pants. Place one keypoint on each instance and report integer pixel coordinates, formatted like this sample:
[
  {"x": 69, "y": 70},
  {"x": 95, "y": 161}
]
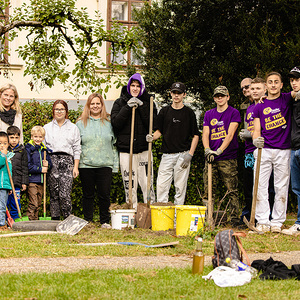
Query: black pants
[{"x": 96, "y": 180}]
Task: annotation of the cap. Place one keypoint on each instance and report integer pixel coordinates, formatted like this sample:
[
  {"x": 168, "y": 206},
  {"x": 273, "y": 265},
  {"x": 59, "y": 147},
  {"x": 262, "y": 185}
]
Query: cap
[
  {"x": 221, "y": 89},
  {"x": 295, "y": 72},
  {"x": 178, "y": 86}
]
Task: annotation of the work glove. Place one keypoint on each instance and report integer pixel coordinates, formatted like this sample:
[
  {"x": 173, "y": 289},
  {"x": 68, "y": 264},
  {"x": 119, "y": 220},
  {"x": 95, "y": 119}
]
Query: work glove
[
  {"x": 186, "y": 160},
  {"x": 210, "y": 154},
  {"x": 245, "y": 135},
  {"x": 297, "y": 97},
  {"x": 149, "y": 138},
  {"x": 259, "y": 142},
  {"x": 134, "y": 102}
]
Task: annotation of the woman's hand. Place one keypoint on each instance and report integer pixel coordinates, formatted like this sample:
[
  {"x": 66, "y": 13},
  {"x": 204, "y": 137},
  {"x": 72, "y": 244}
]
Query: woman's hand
[{"x": 75, "y": 172}]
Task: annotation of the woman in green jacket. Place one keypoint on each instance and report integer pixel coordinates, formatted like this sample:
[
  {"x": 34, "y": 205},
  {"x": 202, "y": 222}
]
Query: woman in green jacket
[{"x": 98, "y": 159}]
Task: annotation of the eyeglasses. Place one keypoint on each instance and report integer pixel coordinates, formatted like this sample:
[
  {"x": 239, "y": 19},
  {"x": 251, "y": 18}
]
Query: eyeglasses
[
  {"x": 246, "y": 87},
  {"x": 59, "y": 109}
]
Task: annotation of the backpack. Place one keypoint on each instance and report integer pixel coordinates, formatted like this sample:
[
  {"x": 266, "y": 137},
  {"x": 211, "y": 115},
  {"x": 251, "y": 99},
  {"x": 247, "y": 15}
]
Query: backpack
[{"x": 228, "y": 244}]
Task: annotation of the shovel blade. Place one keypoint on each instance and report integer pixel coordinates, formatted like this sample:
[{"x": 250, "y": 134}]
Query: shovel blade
[
  {"x": 22, "y": 219},
  {"x": 143, "y": 216}
]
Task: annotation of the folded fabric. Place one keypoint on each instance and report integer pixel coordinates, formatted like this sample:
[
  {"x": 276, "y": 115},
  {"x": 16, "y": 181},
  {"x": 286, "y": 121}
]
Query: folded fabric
[
  {"x": 275, "y": 269},
  {"x": 226, "y": 276}
]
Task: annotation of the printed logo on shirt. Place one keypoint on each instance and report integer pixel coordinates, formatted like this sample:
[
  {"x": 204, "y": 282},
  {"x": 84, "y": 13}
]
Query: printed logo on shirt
[
  {"x": 268, "y": 110},
  {"x": 213, "y": 122},
  {"x": 218, "y": 133},
  {"x": 176, "y": 121},
  {"x": 250, "y": 126},
  {"x": 275, "y": 122},
  {"x": 249, "y": 115}
]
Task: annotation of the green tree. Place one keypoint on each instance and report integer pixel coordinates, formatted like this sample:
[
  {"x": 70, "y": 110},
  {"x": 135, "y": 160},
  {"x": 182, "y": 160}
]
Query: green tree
[
  {"x": 205, "y": 43},
  {"x": 57, "y": 30}
]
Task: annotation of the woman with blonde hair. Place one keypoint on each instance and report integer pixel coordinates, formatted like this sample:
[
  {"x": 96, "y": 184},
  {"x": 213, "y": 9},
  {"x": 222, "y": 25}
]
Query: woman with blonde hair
[
  {"x": 10, "y": 110},
  {"x": 98, "y": 159}
]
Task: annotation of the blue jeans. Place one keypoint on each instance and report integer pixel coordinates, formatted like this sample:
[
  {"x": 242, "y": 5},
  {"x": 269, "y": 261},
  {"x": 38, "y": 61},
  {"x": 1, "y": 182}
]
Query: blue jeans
[
  {"x": 295, "y": 178},
  {"x": 3, "y": 201},
  {"x": 11, "y": 204}
]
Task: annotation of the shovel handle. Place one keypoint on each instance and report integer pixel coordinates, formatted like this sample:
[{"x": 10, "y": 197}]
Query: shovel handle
[
  {"x": 13, "y": 188},
  {"x": 130, "y": 158},
  {"x": 210, "y": 203},
  {"x": 149, "y": 154},
  {"x": 44, "y": 175}
]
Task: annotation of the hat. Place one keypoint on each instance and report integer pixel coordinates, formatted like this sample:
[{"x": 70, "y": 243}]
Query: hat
[
  {"x": 221, "y": 89},
  {"x": 295, "y": 72},
  {"x": 178, "y": 86}
]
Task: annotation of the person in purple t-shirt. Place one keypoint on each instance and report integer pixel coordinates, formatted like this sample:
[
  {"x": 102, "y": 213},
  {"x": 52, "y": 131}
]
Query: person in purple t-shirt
[
  {"x": 272, "y": 132},
  {"x": 219, "y": 139}
]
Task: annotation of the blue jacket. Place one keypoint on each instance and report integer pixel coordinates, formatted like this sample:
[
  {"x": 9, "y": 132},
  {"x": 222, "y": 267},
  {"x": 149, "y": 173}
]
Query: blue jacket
[
  {"x": 4, "y": 177},
  {"x": 35, "y": 154}
]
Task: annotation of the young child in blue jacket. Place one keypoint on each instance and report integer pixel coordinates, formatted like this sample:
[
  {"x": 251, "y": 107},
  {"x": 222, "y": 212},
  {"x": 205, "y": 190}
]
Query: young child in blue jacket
[
  {"x": 37, "y": 166},
  {"x": 5, "y": 186}
]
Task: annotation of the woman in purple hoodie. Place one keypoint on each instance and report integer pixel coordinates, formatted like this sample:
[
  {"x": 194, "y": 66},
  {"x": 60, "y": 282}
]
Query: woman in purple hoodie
[{"x": 133, "y": 95}]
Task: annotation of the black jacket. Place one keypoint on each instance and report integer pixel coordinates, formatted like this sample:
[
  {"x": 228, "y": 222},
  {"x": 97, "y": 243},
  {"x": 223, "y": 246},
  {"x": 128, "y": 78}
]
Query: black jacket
[
  {"x": 121, "y": 122},
  {"x": 295, "y": 134},
  {"x": 19, "y": 166}
]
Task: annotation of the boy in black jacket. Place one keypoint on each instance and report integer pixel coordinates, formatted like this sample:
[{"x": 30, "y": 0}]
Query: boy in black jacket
[
  {"x": 133, "y": 95},
  {"x": 19, "y": 168}
]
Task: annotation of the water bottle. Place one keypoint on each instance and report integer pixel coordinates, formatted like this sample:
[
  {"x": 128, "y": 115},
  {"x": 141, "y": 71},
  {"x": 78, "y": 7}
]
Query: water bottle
[
  {"x": 240, "y": 266},
  {"x": 198, "y": 258}
]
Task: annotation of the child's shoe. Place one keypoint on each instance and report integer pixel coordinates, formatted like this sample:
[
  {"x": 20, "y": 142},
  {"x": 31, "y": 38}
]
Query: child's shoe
[{"x": 295, "y": 229}]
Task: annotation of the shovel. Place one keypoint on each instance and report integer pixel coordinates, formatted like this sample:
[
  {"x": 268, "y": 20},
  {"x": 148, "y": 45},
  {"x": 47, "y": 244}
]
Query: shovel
[
  {"x": 14, "y": 193},
  {"x": 130, "y": 158},
  {"x": 251, "y": 224},
  {"x": 45, "y": 218},
  {"x": 210, "y": 220},
  {"x": 143, "y": 214},
  {"x": 10, "y": 220}
]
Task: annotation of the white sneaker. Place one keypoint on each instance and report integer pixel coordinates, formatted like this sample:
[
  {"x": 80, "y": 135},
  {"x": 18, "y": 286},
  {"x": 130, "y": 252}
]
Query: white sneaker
[
  {"x": 275, "y": 229},
  {"x": 106, "y": 226},
  {"x": 263, "y": 228},
  {"x": 292, "y": 230}
]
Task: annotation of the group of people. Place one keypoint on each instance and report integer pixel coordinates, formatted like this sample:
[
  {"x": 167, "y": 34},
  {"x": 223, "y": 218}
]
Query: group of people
[
  {"x": 99, "y": 143},
  {"x": 272, "y": 125}
]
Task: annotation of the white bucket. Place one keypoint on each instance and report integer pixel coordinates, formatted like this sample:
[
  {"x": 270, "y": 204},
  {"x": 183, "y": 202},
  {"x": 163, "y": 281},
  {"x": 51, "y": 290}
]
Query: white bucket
[{"x": 122, "y": 218}]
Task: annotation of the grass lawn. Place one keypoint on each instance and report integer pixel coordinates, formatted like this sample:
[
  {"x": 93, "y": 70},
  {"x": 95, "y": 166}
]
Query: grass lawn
[
  {"x": 58, "y": 245},
  {"x": 165, "y": 283}
]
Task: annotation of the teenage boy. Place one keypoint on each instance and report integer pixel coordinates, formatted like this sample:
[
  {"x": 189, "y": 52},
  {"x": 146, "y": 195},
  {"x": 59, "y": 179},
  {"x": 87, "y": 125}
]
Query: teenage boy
[
  {"x": 272, "y": 132},
  {"x": 133, "y": 95},
  {"x": 219, "y": 139},
  {"x": 177, "y": 124},
  {"x": 5, "y": 186},
  {"x": 37, "y": 166},
  {"x": 19, "y": 169},
  {"x": 257, "y": 90},
  {"x": 295, "y": 145}
]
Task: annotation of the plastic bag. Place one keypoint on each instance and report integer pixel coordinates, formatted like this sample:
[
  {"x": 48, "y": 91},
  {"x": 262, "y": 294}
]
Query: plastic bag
[{"x": 226, "y": 276}]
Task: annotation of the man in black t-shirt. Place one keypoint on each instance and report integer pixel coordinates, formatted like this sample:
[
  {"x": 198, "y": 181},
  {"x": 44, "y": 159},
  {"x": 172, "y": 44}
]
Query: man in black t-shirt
[{"x": 177, "y": 124}]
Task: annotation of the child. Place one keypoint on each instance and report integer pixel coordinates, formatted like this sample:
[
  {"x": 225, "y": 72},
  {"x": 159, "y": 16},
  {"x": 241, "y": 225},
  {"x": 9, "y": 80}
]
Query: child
[
  {"x": 177, "y": 124},
  {"x": 220, "y": 142},
  {"x": 37, "y": 166},
  {"x": 5, "y": 185},
  {"x": 19, "y": 168},
  {"x": 272, "y": 132}
]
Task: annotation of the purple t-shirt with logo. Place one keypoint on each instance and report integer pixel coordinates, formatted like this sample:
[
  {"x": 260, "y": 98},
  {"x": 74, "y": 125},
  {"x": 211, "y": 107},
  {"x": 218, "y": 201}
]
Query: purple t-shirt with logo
[
  {"x": 249, "y": 147},
  {"x": 218, "y": 123},
  {"x": 275, "y": 121}
]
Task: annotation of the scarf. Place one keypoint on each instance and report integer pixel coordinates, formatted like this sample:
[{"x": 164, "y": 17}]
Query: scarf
[{"x": 8, "y": 116}]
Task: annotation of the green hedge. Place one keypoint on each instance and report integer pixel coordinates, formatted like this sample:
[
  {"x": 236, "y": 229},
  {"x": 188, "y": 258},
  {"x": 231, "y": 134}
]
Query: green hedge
[{"x": 40, "y": 113}]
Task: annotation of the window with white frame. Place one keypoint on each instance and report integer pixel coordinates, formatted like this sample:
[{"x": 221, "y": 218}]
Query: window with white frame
[{"x": 122, "y": 11}]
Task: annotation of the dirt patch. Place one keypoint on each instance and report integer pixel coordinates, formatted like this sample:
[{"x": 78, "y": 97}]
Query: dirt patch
[{"x": 115, "y": 206}]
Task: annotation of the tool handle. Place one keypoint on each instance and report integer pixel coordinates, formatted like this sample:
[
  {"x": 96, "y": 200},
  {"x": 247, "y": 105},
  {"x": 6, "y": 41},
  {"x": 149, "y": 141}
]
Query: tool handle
[
  {"x": 130, "y": 158},
  {"x": 210, "y": 202},
  {"x": 13, "y": 188},
  {"x": 44, "y": 187},
  {"x": 150, "y": 154}
]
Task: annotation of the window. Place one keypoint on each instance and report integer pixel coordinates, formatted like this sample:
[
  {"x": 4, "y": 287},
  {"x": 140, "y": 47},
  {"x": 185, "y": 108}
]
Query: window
[
  {"x": 4, "y": 43},
  {"x": 123, "y": 12}
]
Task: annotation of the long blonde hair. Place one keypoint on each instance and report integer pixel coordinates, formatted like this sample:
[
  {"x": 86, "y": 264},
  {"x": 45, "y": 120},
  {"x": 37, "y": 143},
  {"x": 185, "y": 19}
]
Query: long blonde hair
[
  {"x": 16, "y": 105},
  {"x": 104, "y": 116}
]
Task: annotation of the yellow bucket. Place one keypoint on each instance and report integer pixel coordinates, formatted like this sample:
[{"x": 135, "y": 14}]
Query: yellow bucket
[
  {"x": 162, "y": 217},
  {"x": 189, "y": 218}
]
